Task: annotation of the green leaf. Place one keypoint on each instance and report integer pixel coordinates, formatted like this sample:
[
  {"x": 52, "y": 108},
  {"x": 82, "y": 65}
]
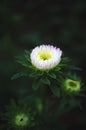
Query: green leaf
[
  {"x": 45, "y": 80},
  {"x": 18, "y": 75},
  {"x": 35, "y": 85},
  {"x": 21, "y": 60},
  {"x": 23, "y": 64},
  {"x": 55, "y": 90},
  {"x": 65, "y": 60},
  {"x": 27, "y": 55},
  {"x": 27, "y": 52},
  {"x": 75, "y": 68},
  {"x": 73, "y": 103},
  {"x": 57, "y": 68},
  {"x": 36, "y": 74},
  {"x": 52, "y": 75},
  {"x": 61, "y": 108}
]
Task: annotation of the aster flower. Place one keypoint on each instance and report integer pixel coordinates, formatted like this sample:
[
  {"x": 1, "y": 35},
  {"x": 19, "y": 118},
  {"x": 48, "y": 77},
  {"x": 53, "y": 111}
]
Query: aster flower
[
  {"x": 42, "y": 60},
  {"x": 45, "y": 57}
]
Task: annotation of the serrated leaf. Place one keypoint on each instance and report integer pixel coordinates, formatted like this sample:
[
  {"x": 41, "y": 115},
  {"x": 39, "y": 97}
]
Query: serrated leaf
[
  {"x": 75, "y": 68},
  {"x": 27, "y": 55},
  {"x": 57, "y": 68},
  {"x": 21, "y": 60},
  {"x": 23, "y": 64},
  {"x": 27, "y": 52},
  {"x": 45, "y": 81},
  {"x": 35, "y": 85},
  {"x": 65, "y": 60},
  {"x": 18, "y": 75},
  {"x": 55, "y": 90},
  {"x": 52, "y": 75},
  {"x": 35, "y": 74}
]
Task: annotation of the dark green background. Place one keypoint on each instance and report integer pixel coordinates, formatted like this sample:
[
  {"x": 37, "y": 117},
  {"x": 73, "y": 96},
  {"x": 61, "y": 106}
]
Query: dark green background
[{"x": 25, "y": 24}]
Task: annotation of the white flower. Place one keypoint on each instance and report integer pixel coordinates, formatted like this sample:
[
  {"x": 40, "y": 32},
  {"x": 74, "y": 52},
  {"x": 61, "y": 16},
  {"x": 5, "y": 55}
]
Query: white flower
[{"x": 45, "y": 57}]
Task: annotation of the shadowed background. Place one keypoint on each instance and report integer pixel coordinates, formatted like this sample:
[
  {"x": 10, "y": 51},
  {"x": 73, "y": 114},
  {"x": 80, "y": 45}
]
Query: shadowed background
[{"x": 28, "y": 23}]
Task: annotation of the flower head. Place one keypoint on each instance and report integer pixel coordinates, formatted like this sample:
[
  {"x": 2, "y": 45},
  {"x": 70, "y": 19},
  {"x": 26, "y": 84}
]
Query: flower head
[
  {"x": 18, "y": 116},
  {"x": 45, "y": 57},
  {"x": 21, "y": 120},
  {"x": 72, "y": 86}
]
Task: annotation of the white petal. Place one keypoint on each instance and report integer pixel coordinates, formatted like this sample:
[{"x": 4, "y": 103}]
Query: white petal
[{"x": 52, "y": 57}]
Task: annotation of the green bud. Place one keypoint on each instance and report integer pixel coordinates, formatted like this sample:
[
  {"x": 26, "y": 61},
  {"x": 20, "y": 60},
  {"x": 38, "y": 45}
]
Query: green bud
[
  {"x": 21, "y": 120},
  {"x": 71, "y": 86}
]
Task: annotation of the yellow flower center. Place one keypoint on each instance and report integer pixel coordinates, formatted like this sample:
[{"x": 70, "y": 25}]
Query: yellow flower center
[{"x": 45, "y": 55}]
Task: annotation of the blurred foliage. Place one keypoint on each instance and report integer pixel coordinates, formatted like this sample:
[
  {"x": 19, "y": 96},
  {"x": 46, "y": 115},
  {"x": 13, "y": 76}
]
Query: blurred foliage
[{"x": 28, "y": 23}]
